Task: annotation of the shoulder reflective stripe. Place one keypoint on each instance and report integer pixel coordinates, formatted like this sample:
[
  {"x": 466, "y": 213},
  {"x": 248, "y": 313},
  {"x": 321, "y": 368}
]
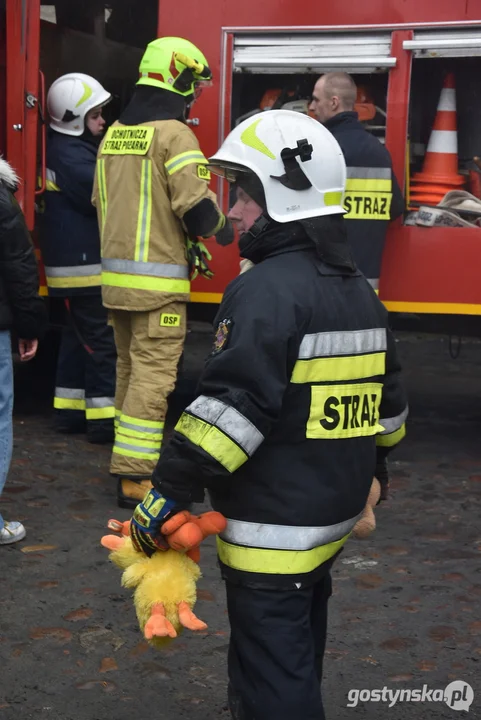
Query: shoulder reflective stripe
[
  {"x": 330, "y": 369},
  {"x": 394, "y": 423},
  {"x": 368, "y": 172},
  {"x": 285, "y": 537},
  {"x": 186, "y": 158},
  {"x": 132, "y": 267},
  {"x": 338, "y": 412},
  {"x": 73, "y": 270},
  {"x": 391, "y": 439},
  {"x": 213, "y": 441},
  {"x": 137, "y": 282},
  {"x": 145, "y": 212},
  {"x": 276, "y": 562},
  {"x": 345, "y": 342},
  {"x": 151, "y": 455},
  {"x": 229, "y": 420},
  {"x": 374, "y": 283},
  {"x": 140, "y": 423},
  {"x": 73, "y": 393},
  {"x": 102, "y": 185}
]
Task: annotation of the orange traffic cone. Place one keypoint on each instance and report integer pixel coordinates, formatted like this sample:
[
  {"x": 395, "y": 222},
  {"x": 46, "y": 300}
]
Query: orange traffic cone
[{"x": 440, "y": 168}]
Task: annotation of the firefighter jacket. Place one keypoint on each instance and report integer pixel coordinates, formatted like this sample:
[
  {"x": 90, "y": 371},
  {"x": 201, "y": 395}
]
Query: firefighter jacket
[
  {"x": 151, "y": 186},
  {"x": 300, "y": 393},
  {"x": 69, "y": 234},
  {"x": 373, "y": 196}
]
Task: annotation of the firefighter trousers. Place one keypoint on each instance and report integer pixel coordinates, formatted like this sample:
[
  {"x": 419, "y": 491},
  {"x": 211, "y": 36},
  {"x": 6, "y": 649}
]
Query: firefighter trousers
[
  {"x": 149, "y": 346},
  {"x": 276, "y": 651},
  {"x": 85, "y": 378}
]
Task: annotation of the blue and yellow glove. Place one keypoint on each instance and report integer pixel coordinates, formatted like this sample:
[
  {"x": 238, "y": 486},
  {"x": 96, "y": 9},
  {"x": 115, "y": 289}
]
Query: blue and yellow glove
[{"x": 147, "y": 520}]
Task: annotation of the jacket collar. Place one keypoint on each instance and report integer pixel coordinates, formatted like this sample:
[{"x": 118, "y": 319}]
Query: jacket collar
[
  {"x": 324, "y": 237},
  {"x": 8, "y": 176},
  {"x": 342, "y": 121}
]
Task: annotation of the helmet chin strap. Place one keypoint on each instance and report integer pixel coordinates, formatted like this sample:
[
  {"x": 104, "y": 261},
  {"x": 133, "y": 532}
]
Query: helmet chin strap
[{"x": 261, "y": 225}]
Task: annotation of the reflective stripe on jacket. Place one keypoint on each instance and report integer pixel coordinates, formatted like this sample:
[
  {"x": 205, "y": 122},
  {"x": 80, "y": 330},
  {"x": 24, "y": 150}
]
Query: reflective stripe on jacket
[
  {"x": 373, "y": 197},
  {"x": 69, "y": 234},
  {"x": 148, "y": 176},
  {"x": 299, "y": 397}
]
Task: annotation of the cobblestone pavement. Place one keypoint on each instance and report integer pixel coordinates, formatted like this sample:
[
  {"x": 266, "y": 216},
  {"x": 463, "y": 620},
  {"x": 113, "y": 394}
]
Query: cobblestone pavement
[{"x": 405, "y": 611}]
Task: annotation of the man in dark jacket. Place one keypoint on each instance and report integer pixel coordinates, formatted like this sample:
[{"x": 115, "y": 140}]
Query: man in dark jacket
[
  {"x": 299, "y": 401},
  {"x": 21, "y": 311},
  {"x": 373, "y": 197},
  {"x": 85, "y": 382}
]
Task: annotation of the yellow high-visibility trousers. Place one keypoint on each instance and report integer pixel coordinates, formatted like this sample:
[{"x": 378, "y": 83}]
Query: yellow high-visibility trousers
[{"x": 149, "y": 346}]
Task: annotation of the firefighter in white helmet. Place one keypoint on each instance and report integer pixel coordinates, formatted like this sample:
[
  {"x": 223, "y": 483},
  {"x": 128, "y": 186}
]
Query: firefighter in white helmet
[
  {"x": 70, "y": 242},
  {"x": 154, "y": 207},
  {"x": 299, "y": 400}
]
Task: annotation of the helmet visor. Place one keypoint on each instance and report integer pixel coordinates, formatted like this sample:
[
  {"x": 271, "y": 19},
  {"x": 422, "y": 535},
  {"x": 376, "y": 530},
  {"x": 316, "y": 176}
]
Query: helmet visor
[{"x": 226, "y": 170}]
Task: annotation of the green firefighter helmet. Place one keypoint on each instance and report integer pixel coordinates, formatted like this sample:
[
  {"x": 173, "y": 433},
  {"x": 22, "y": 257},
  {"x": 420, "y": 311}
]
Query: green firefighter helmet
[{"x": 174, "y": 64}]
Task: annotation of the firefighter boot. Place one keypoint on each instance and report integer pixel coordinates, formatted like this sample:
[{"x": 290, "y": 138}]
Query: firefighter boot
[{"x": 130, "y": 492}]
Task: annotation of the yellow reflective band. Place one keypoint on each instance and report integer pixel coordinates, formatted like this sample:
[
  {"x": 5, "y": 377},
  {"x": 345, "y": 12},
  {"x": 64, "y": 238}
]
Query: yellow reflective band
[
  {"x": 203, "y": 172},
  {"x": 51, "y": 186},
  {"x": 102, "y": 191},
  {"x": 344, "y": 411},
  {"x": 276, "y": 562},
  {"x": 135, "y": 454},
  {"x": 76, "y": 281},
  {"x": 367, "y": 205},
  {"x": 167, "y": 320},
  {"x": 145, "y": 213},
  {"x": 100, "y": 413},
  {"x": 332, "y": 198},
  {"x": 86, "y": 94},
  {"x": 191, "y": 157},
  {"x": 369, "y": 185},
  {"x": 348, "y": 367},
  {"x": 141, "y": 422},
  {"x": 139, "y": 282},
  {"x": 134, "y": 441},
  {"x": 212, "y": 440},
  {"x": 127, "y": 432},
  {"x": 125, "y": 140},
  {"x": 68, "y": 404},
  {"x": 249, "y": 137},
  {"x": 391, "y": 439}
]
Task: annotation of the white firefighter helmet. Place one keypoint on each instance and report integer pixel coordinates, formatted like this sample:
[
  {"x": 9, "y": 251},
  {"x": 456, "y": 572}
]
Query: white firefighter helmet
[
  {"x": 299, "y": 163},
  {"x": 69, "y": 100}
]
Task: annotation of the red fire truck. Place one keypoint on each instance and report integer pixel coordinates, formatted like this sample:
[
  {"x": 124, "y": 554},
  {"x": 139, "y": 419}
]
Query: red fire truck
[{"x": 398, "y": 52}]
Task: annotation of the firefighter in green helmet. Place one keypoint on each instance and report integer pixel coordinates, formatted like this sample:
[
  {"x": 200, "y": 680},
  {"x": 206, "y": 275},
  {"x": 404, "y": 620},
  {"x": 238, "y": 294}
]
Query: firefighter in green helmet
[{"x": 154, "y": 206}]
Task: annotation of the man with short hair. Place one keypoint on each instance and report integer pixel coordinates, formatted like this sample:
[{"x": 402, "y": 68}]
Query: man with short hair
[{"x": 373, "y": 197}]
